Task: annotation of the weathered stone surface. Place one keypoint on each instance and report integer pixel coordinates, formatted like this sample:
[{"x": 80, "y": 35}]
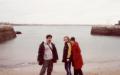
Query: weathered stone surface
[
  {"x": 6, "y": 33},
  {"x": 106, "y": 30}
]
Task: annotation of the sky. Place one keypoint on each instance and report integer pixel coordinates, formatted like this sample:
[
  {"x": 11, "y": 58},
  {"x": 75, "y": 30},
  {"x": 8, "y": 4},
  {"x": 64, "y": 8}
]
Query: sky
[{"x": 60, "y": 11}]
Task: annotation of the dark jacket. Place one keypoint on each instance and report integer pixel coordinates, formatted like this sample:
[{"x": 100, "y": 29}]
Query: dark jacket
[
  {"x": 41, "y": 52},
  {"x": 65, "y": 52}
]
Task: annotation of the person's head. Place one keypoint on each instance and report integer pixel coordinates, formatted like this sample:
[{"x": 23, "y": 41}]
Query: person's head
[
  {"x": 72, "y": 39},
  {"x": 49, "y": 38},
  {"x": 66, "y": 39}
]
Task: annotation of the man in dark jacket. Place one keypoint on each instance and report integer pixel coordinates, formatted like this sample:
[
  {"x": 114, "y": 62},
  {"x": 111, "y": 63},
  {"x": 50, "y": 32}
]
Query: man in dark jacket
[{"x": 47, "y": 55}]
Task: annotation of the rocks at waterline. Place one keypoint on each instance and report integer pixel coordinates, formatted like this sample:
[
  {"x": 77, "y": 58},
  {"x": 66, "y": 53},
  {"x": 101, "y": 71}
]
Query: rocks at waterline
[
  {"x": 106, "y": 30},
  {"x": 6, "y": 33},
  {"x": 18, "y": 32}
]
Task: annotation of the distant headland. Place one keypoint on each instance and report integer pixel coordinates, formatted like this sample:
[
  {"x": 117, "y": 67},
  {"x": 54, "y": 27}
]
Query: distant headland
[{"x": 6, "y": 33}]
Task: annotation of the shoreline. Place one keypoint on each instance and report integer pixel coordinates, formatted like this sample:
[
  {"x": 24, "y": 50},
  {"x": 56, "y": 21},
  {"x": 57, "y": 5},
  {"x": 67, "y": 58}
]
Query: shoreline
[
  {"x": 50, "y": 25},
  {"x": 32, "y": 63},
  {"x": 34, "y": 70},
  {"x": 88, "y": 69}
]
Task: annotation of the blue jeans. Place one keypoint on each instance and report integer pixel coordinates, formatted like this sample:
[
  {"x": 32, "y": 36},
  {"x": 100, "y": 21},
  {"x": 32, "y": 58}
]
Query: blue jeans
[{"x": 68, "y": 67}]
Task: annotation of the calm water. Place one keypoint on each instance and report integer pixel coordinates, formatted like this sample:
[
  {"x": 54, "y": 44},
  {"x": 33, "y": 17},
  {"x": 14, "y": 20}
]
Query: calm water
[{"x": 23, "y": 50}]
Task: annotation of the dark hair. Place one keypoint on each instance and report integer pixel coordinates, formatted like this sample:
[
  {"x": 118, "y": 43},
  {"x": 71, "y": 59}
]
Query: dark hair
[
  {"x": 49, "y": 35},
  {"x": 72, "y": 39}
]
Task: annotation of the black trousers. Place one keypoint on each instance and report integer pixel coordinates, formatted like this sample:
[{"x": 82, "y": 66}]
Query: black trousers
[{"x": 78, "y": 72}]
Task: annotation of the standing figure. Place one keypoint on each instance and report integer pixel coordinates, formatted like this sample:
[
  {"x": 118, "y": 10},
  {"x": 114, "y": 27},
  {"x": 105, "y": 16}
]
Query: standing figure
[
  {"x": 47, "y": 55},
  {"x": 67, "y": 55},
  {"x": 77, "y": 60}
]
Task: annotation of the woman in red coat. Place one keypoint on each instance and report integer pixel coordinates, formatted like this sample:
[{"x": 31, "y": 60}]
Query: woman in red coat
[{"x": 77, "y": 60}]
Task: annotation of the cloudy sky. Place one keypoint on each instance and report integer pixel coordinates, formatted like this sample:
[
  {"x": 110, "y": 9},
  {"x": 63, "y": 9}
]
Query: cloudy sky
[{"x": 60, "y": 11}]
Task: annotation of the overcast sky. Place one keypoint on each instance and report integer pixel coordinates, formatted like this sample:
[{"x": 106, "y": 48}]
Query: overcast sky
[{"x": 60, "y": 11}]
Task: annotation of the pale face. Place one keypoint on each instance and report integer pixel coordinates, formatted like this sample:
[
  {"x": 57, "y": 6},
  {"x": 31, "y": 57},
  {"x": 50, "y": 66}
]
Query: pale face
[
  {"x": 66, "y": 39},
  {"x": 49, "y": 40}
]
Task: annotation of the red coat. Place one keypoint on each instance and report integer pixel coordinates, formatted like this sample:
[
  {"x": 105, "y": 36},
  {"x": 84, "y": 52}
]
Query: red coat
[{"x": 77, "y": 60}]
